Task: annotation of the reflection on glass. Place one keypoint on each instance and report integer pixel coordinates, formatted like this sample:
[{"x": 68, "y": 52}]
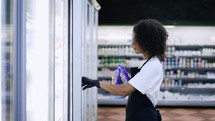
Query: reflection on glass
[
  {"x": 61, "y": 57},
  {"x": 40, "y": 78},
  {"x": 6, "y": 62},
  {"x": 38, "y": 57}
]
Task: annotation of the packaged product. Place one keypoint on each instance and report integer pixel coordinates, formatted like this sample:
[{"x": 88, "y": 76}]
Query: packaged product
[{"x": 120, "y": 76}]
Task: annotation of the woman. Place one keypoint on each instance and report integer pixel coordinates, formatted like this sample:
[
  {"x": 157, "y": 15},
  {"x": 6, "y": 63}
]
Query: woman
[{"x": 149, "y": 39}]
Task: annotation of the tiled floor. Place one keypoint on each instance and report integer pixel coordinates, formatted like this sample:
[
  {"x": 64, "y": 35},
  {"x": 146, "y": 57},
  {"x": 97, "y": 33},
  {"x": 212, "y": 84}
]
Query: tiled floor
[{"x": 168, "y": 114}]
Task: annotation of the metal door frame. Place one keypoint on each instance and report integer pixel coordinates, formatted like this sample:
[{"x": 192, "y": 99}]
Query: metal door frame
[{"x": 19, "y": 63}]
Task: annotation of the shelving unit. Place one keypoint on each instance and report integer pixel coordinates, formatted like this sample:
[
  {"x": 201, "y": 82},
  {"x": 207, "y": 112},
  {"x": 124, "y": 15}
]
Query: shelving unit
[{"x": 189, "y": 74}]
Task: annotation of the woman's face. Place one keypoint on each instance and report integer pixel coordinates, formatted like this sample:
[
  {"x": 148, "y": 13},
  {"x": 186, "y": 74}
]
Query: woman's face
[{"x": 135, "y": 45}]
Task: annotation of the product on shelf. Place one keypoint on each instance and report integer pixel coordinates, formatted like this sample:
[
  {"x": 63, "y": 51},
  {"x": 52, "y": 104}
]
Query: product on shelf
[{"x": 189, "y": 72}]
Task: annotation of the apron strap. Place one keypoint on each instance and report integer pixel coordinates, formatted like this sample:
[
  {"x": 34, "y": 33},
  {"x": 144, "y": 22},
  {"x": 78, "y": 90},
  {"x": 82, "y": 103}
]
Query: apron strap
[{"x": 146, "y": 62}]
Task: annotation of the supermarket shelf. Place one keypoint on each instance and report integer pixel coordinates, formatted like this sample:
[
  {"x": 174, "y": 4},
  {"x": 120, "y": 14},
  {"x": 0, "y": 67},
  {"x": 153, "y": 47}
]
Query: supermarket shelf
[
  {"x": 120, "y": 56},
  {"x": 193, "y": 79},
  {"x": 190, "y": 90},
  {"x": 105, "y": 78},
  {"x": 192, "y": 56},
  {"x": 186, "y": 103},
  {"x": 112, "y": 101},
  {"x": 191, "y": 47},
  {"x": 183, "y": 79},
  {"x": 192, "y": 69},
  {"x": 183, "y": 69},
  {"x": 167, "y": 56},
  {"x": 201, "y": 91},
  {"x": 112, "y": 67},
  {"x": 122, "y": 102}
]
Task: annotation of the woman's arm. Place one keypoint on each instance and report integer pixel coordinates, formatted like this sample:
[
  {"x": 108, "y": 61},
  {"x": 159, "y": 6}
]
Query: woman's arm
[{"x": 121, "y": 90}]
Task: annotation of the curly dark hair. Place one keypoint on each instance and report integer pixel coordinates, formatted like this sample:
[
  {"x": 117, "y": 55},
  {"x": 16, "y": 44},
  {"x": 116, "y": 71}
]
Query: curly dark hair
[{"x": 151, "y": 36}]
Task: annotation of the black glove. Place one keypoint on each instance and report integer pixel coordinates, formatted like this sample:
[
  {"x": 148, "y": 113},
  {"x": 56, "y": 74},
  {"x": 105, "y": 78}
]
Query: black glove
[{"x": 88, "y": 83}]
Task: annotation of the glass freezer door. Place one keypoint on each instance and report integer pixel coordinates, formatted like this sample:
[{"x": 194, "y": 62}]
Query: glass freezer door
[
  {"x": 47, "y": 60},
  {"x": 89, "y": 61},
  {"x": 39, "y": 57}
]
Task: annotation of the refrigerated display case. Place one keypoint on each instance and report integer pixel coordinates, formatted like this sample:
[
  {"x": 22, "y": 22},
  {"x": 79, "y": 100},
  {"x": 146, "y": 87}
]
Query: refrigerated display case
[{"x": 43, "y": 60}]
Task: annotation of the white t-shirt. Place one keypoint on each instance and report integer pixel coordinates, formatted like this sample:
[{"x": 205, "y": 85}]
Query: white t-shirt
[{"x": 149, "y": 79}]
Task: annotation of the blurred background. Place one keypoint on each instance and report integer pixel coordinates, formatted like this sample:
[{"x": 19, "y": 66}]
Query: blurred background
[
  {"x": 188, "y": 90},
  {"x": 48, "y": 45}
]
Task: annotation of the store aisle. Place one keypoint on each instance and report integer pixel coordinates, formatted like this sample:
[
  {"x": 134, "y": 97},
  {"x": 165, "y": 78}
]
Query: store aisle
[{"x": 168, "y": 114}]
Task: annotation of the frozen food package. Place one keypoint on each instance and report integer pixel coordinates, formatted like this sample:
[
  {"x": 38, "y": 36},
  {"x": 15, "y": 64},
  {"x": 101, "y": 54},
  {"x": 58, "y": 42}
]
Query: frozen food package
[
  {"x": 124, "y": 75},
  {"x": 120, "y": 76},
  {"x": 116, "y": 76}
]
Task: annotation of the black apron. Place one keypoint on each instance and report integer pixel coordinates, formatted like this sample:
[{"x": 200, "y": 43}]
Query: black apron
[{"x": 139, "y": 107}]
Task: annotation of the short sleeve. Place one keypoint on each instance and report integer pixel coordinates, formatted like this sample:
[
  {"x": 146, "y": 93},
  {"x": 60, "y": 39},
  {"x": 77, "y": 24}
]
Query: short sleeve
[{"x": 149, "y": 79}]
